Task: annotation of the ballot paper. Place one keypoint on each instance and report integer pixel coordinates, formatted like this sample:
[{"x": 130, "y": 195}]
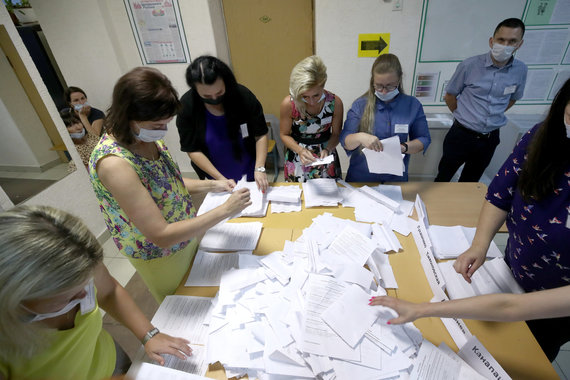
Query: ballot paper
[
  {"x": 285, "y": 194},
  {"x": 450, "y": 242},
  {"x": 232, "y": 237},
  {"x": 477, "y": 356},
  {"x": 184, "y": 316},
  {"x": 387, "y": 161},
  {"x": 259, "y": 202},
  {"x": 208, "y": 267},
  {"x": 494, "y": 276},
  {"x": 353, "y": 245},
  {"x": 148, "y": 371},
  {"x": 321, "y": 192},
  {"x": 322, "y": 161},
  {"x": 279, "y": 207}
]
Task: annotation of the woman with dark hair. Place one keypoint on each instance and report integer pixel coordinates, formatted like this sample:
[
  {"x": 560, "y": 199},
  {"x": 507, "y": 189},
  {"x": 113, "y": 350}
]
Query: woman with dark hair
[
  {"x": 531, "y": 192},
  {"x": 142, "y": 195},
  {"x": 383, "y": 111},
  {"x": 91, "y": 117},
  {"x": 84, "y": 141},
  {"x": 221, "y": 125}
]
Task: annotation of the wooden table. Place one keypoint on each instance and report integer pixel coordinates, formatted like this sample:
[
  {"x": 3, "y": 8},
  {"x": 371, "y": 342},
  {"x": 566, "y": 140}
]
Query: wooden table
[{"x": 511, "y": 344}]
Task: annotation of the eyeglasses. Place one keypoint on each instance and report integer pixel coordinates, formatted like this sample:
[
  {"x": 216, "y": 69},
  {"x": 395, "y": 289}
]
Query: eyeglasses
[{"x": 390, "y": 87}]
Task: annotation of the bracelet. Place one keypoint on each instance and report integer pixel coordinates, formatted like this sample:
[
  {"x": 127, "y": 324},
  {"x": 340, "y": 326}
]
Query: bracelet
[
  {"x": 405, "y": 147},
  {"x": 149, "y": 335}
]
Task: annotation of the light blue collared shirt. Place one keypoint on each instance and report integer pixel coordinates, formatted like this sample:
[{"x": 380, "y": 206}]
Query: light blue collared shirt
[{"x": 485, "y": 90}]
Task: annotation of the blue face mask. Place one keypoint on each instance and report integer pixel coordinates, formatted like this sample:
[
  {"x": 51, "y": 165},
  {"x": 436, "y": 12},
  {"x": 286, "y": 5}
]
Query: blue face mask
[
  {"x": 78, "y": 135},
  {"x": 318, "y": 101},
  {"x": 387, "y": 96},
  {"x": 78, "y": 107}
]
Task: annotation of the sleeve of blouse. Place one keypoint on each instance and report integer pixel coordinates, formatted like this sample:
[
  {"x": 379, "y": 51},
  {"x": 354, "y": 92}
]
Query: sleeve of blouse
[
  {"x": 503, "y": 186},
  {"x": 419, "y": 128},
  {"x": 352, "y": 122},
  {"x": 255, "y": 118},
  {"x": 457, "y": 81},
  {"x": 188, "y": 137}
]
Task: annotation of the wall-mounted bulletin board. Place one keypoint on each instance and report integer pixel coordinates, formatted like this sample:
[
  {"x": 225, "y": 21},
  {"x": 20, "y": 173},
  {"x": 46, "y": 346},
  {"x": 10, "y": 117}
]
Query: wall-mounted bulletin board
[{"x": 452, "y": 30}]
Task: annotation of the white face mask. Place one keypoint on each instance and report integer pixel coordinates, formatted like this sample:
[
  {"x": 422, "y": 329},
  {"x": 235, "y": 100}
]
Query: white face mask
[
  {"x": 387, "y": 96},
  {"x": 78, "y": 107},
  {"x": 151, "y": 135},
  {"x": 567, "y": 129},
  {"x": 318, "y": 101},
  {"x": 89, "y": 288},
  {"x": 502, "y": 52},
  {"x": 78, "y": 135}
]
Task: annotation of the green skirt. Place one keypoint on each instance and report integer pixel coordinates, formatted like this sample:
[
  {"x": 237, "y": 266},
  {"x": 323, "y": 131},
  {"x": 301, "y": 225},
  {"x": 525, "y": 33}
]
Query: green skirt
[{"x": 163, "y": 275}]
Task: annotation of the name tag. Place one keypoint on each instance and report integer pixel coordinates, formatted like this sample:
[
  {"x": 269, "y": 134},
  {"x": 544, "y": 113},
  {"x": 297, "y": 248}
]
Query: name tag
[
  {"x": 510, "y": 89},
  {"x": 401, "y": 128},
  {"x": 244, "y": 132},
  {"x": 326, "y": 120}
]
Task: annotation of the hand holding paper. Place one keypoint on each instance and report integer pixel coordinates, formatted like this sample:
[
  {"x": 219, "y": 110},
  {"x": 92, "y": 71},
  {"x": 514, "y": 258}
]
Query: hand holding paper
[{"x": 389, "y": 160}]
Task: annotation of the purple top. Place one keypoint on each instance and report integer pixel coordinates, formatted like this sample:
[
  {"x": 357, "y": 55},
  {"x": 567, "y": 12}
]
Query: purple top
[
  {"x": 221, "y": 150},
  {"x": 538, "y": 249}
]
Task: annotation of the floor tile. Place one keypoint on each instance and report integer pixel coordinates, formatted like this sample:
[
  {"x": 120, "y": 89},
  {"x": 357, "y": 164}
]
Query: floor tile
[{"x": 121, "y": 269}]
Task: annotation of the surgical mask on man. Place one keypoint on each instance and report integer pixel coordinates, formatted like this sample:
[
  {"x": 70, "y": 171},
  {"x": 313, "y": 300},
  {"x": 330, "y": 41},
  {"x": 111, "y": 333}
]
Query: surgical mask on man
[
  {"x": 151, "y": 135},
  {"x": 318, "y": 101},
  {"x": 78, "y": 135},
  {"x": 502, "y": 52},
  {"x": 387, "y": 96}
]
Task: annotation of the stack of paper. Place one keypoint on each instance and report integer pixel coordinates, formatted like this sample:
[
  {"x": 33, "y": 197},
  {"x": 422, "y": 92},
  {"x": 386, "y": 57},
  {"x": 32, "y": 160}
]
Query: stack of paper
[
  {"x": 303, "y": 312},
  {"x": 494, "y": 276},
  {"x": 208, "y": 267},
  {"x": 232, "y": 237},
  {"x": 450, "y": 242},
  {"x": 284, "y": 198},
  {"x": 321, "y": 192},
  {"x": 258, "y": 207}
]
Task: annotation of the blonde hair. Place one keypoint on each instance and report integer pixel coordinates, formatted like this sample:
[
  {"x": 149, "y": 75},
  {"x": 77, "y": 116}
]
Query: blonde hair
[
  {"x": 385, "y": 63},
  {"x": 43, "y": 252},
  {"x": 308, "y": 73}
]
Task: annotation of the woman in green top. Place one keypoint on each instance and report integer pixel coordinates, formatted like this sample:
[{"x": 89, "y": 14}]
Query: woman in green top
[
  {"x": 142, "y": 195},
  {"x": 53, "y": 279}
]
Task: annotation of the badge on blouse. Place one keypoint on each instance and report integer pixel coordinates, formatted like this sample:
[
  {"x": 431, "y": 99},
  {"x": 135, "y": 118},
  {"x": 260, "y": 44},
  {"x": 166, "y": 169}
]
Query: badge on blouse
[
  {"x": 244, "y": 132},
  {"x": 510, "y": 89},
  {"x": 401, "y": 128}
]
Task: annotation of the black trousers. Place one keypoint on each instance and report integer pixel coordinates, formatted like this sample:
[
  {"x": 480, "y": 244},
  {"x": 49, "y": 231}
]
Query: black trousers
[
  {"x": 465, "y": 146},
  {"x": 551, "y": 334}
]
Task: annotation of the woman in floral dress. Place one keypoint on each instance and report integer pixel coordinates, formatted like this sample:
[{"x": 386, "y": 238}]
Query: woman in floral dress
[
  {"x": 310, "y": 123},
  {"x": 144, "y": 199}
]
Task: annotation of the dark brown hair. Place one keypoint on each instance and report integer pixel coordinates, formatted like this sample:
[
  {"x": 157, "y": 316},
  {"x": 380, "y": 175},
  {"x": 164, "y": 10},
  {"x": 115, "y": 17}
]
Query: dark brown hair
[
  {"x": 142, "y": 94},
  {"x": 69, "y": 117},
  {"x": 68, "y": 91},
  {"x": 548, "y": 152}
]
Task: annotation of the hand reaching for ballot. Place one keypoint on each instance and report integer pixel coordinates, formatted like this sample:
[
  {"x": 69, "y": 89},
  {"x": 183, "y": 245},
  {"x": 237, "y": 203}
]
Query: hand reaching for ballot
[{"x": 237, "y": 201}]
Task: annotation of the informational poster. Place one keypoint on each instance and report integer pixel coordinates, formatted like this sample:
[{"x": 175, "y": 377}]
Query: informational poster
[
  {"x": 158, "y": 31},
  {"x": 426, "y": 86},
  {"x": 548, "y": 12}
]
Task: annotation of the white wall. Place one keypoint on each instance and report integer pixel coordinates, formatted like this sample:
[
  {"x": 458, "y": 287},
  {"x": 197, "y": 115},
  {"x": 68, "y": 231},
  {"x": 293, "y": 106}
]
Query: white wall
[
  {"x": 93, "y": 43},
  {"x": 337, "y": 26}
]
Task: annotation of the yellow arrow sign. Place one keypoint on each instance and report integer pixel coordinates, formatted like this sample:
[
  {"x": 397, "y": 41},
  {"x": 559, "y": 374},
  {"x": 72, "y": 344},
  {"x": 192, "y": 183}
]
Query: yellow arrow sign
[{"x": 372, "y": 45}]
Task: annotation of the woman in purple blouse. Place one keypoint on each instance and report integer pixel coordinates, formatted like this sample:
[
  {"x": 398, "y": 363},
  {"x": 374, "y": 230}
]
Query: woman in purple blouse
[{"x": 531, "y": 193}]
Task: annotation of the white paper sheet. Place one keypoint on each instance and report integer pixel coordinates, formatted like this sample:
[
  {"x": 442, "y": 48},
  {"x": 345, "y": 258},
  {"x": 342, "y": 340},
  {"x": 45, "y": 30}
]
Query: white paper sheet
[
  {"x": 450, "y": 242},
  {"x": 322, "y": 161},
  {"x": 288, "y": 194},
  {"x": 389, "y": 160},
  {"x": 279, "y": 207},
  {"x": 148, "y": 371},
  {"x": 208, "y": 267},
  {"x": 477, "y": 356},
  {"x": 352, "y": 244},
  {"x": 232, "y": 237},
  {"x": 321, "y": 192}
]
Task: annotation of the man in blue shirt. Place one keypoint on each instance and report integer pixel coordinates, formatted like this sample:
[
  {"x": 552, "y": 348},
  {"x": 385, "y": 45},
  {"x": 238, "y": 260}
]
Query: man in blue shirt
[{"x": 482, "y": 88}]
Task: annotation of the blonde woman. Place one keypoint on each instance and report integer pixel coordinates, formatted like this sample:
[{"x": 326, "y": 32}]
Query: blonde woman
[
  {"x": 383, "y": 111},
  {"x": 310, "y": 123},
  {"x": 53, "y": 282}
]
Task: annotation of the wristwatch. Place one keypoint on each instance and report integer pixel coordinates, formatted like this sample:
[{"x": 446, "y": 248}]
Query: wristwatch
[
  {"x": 260, "y": 169},
  {"x": 405, "y": 147},
  {"x": 149, "y": 335}
]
